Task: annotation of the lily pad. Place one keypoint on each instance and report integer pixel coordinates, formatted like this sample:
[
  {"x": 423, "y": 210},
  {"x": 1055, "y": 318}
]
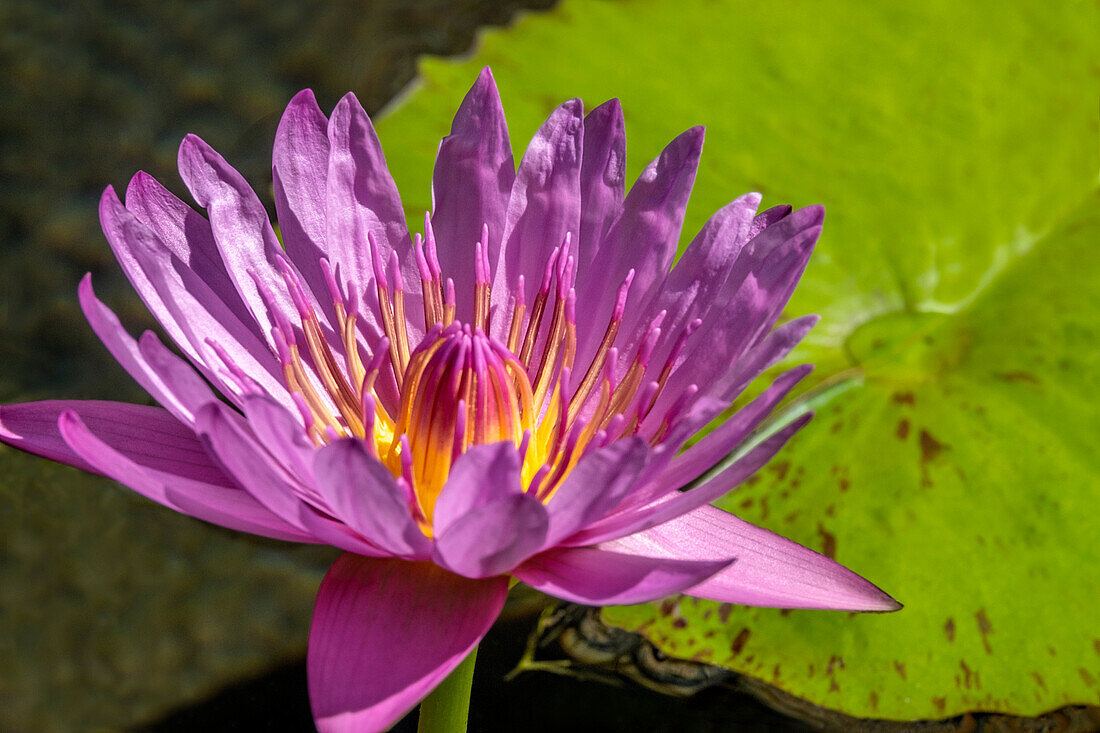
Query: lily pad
[{"x": 952, "y": 144}]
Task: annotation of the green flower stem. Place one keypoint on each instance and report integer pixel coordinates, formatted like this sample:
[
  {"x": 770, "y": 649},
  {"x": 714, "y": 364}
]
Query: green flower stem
[{"x": 447, "y": 708}]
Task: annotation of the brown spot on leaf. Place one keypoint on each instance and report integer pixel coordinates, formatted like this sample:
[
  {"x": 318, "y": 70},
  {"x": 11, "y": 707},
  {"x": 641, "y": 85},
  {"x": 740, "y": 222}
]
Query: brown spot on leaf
[
  {"x": 1088, "y": 678},
  {"x": 775, "y": 673},
  {"x": 747, "y": 503},
  {"x": 949, "y": 629},
  {"x": 781, "y": 468},
  {"x": 833, "y": 686},
  {"x": 903, "y": 429},
  {"x": 667, "y": 607},
  {"x": 930, "y": 448},
  {"x": 679, "y": 623},
  {"x": 709, "y": 634},
  {"x": 940, "y": 703},
  {"x": 724, "y": 611},
  {"x": 810, "y": 671},
  {"x": 1096, "y": 646},
  {"x": 791, "y": 517},
  {"x": 1052, "y": 652},
  {"x": 984, "y": 628},
  {"x": 904, "y": 398},
  {"x": 784, "y": 612},
  {"x": 843, "y": 483},
  {"x": 873, "y": 699},
  {"x": 835, "y": 427},
  {"x": 834, "y": 662},
  {"x": 830, "y": 510},
  {"x": 828, "y": 542},
  {"x": 749, "y": 659},
  {"x": 1039, "y": 680},
  {"x": 899, "y": 667},
  {"x": 739, "y": 641},
  {"x": 1017, "y": 376},
  {"x": 970, "y": 677}
]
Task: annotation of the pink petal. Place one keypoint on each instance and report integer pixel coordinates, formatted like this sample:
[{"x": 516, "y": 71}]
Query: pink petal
[
  {"x": 179, "y": 395},
  {"x": 186, "y": 234},
  {"x": 770, "y": 570},
  {"x": 545, "y": 205},
  {"x": 598, "y": 577},
  {"x": 483, "y": 474},
  {"x": 242, "y": 230},
  {"x": 363, "y": 199},
  {"x": 333, "y": 532},
  {"x": 484, "y": 523},
  {"x": 726, "y": 437},
  {"x": 474, "y": 171},
  {"x": 365, "y": 496},
  {"x": 652, "y": 214},
  {"x": 226, "y": 507},
  {"x": 282, "y": 433},
  {"x": 187, "y": 308},
  {"x": 226, "y": 436},
  {"x": 766, "y": 354},
  {"x": 695, "y": 284},
  {"x": 718, "y": 481},
  {"x": 148, "y": 436},
  {"x": 603, "y": 175},
  {"x": 493, "y": 538},
  {"x": 299, "y": 167},
  {"x": 765, "y": 219},
  {"x": 385, "y": 633},
  {"x": 594, "y": 487}
]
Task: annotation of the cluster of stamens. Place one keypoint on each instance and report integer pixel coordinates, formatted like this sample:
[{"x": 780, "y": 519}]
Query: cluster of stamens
[{"x": 459, "y": 386}]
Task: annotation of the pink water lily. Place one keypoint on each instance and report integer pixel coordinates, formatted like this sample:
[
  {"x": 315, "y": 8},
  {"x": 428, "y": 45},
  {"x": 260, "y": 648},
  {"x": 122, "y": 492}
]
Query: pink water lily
[{"x": 506, "y": 396}]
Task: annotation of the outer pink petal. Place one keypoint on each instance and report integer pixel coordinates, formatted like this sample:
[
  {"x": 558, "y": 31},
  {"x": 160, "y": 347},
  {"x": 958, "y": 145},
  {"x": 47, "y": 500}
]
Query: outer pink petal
[
  {"x": 603, "y": 175},
  {"x": 226, "y": 436},
  {"x": 188, "y": 309},
  {"x": 363, "y": 200},
  {"x": 299, "y": 163},
  {"x": 385, "y": 632},
  {"x": 149, "y": 436},
  {"x": 474, "y": 170},
  {"x": 165, "y": 380},
  {"x": 366, "y": 497},
  {"x": 248, "y": 245},
  {"x": 598, "y": 577},
  {"x": 226, "y": 507},
  {"x": 545, "y": 205},
  {"x": 770, "y": 570},
  {"x": 186, "y": 234}
]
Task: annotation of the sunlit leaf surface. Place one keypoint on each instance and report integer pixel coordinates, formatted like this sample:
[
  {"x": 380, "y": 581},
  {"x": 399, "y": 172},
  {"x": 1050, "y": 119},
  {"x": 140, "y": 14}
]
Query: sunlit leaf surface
[{"x": 954, "y": 146}]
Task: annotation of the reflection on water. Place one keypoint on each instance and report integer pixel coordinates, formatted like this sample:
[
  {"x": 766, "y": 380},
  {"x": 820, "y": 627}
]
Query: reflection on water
[{"x": 115, "y": 610}]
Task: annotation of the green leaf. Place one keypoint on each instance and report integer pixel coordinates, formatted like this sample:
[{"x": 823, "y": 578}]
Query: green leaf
[
  {"x": 947, "y": 140},
  {"x": 961, "y": 477}
]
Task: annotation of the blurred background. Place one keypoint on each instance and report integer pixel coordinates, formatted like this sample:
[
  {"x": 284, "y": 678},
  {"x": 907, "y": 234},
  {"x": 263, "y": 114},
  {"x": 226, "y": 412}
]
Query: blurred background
[{"x": 954, "y": 459}]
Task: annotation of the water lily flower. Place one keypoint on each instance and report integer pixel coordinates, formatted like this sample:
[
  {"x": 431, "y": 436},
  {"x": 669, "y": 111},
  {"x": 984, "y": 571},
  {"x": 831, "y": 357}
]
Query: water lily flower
[{"x": 506, "y": 395}]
